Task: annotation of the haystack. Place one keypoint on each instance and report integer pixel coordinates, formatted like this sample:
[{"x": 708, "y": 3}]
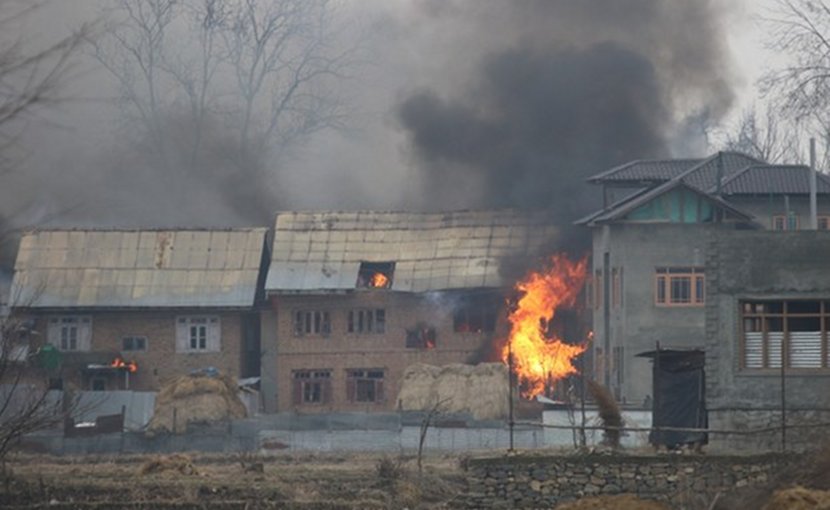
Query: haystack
[
  {"x": 799, "y": 498},
  {"x": 176, "y": 462},
  {"x": 618, "y": 502},
  {"x": 195, "y": 399},
  {"x": 481, "y": 390}
]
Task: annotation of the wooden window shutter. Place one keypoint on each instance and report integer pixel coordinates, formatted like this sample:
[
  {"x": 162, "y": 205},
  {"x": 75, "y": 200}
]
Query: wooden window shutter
[
  {"x": 298, "y": 392},
  {"x": 182, "y": 334},
  {"x": 214, "y": 335},
  {"x": 351, "y": 389},
  {"x": 84, "y": 334},
  {"x": 53, "y": 332},
  {"x": 379, "y": 390},
  {"x": 325, "y": 387}
]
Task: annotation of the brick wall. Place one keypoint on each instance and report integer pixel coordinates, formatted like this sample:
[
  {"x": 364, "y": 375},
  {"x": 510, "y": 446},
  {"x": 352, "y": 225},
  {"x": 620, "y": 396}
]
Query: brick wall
[
  {"x": 341, "y": 350},
  {"x": 160, "y": 361}
]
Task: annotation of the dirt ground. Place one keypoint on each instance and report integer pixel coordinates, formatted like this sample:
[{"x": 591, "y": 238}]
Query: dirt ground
[{"x": 231, "y": 482}]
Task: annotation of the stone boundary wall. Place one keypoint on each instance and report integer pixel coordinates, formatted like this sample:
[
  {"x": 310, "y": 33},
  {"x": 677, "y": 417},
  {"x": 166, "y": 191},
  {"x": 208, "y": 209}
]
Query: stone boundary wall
[{"x": 681, "y": 480}]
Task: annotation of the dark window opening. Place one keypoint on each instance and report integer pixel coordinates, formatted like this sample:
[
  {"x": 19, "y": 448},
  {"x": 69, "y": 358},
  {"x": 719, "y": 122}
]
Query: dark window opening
[
  {"x": 134, "y": 343},
  {"x": 312, "y": 386},
  {"x": 98, "y": 384},
  {"x": 367, "y": 321},
  {"x": 422, "y": 337},
  {"x": 364, "y": 385},
  {"x": 375, "y": 275},
  {"x": 476, "y": 315},
  {"x": 312, "y": 322}
]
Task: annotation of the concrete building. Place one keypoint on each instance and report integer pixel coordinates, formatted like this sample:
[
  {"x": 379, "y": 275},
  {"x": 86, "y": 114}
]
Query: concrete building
[
  {"x": 357, "y": 297},
  {"x": 128, "y": 309},
  {"x": 650, "y": 280}
]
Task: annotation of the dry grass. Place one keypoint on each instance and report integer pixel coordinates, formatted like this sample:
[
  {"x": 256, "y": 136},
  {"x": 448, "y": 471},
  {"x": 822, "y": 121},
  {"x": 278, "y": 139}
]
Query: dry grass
[
  {"x": 195, "y": 399},
  {"x": 619, "y": 502},
  {"x": 609, "y": 412}
]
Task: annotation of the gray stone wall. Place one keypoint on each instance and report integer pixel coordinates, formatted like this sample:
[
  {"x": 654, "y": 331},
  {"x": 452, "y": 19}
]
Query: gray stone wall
[
  {"x": 543, "y": 482},
  {"x": 745, "y": 265}
]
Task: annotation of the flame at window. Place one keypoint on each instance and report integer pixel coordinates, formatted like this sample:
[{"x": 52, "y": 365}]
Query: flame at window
[
  {"x": 379, "y": 281},
  {"x": 130, "y": 366},
  {"x": 539, "y": 356}
]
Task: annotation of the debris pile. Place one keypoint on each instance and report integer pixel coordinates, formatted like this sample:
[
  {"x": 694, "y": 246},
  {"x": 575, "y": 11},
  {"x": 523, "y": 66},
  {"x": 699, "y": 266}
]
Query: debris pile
[
  {"x": 799, "y": 498},
  {"x": 195, "y": 399},
  {"x": 481, "y": 390}
]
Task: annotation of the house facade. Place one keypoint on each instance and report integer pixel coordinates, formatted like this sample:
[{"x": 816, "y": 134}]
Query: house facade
[
  {"x": 650, "y": 281},
  {"x": 355, "y": 298},
  {"x": 130, "y": 309}
]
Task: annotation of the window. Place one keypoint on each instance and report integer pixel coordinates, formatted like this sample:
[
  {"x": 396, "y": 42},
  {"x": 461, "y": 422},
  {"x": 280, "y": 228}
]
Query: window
[
  {"x": 134, "y": 343},
  {"x": 70, "y": 333},
  {"x": 312, "y": 387},
  {"x": 98, "y": 384},
  {"x": 198, "y": 334},
  {"x": 476, "y": 314},
  {"x": 795, "y": 331},
  {"x": 364, "y": 385},
  {"x": 312, "y": 322},
  {"x": 823, "y": 222},
  {"x": 375, "y": 275},
  {"x": 421, "y": 337},
  {"x": 785, "y": 222},
  {"x": 367, "y": 321},
  {"x": 680, "y": 286}
]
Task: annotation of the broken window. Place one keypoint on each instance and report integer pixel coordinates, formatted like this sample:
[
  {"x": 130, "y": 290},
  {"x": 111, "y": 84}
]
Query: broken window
[
  {"x": 476, "y": 314},
  {"x": 421, "y": 337},
  {"x": 375, "y": 275},
  {"x": 195, "y": 333},
  {"x": 680, "y": 286},
  {"x": 793, "y": 331},
  {"x": 134, "y": 343},
  {"x": 312, "y": 322},
  {"x": 367, "y": 321},
  {"x": 70, "y": 333},
  {"x": 364, "y": 385},
  {"x": 312, "y": 387}
]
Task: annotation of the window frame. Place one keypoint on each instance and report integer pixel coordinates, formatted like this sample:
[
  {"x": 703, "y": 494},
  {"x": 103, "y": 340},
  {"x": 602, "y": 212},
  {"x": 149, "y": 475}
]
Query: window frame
[
  {"x": 823, "y": 218},
  {"x": 59, "y": 328},
  {"x": 366, "y": 321},
  {"x": 311, "y": 381},
  {"x": 666, "y": 276},
  {"x": 355, "y": 377},
  {"x": 786, "y": 222},
  {"x": 185, "y": 325},
  {"x": 482, "y": 310},
  {"x": 133, "y": 339},
  {"x": 762, "y": 319},
  {"x": 306, "y": 322}
]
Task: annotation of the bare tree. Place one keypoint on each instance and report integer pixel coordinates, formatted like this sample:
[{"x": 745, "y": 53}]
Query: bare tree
[
  {"x": 764, "y": 135},
  {"x": 262, "y": 70},
  {"x": 435, "y": 411}
]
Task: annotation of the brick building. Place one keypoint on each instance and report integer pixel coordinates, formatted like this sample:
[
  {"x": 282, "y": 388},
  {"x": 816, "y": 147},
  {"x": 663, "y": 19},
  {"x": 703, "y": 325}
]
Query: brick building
[
  {"x": 357, "y": 297},
  {"x": 163, "y": 302}
]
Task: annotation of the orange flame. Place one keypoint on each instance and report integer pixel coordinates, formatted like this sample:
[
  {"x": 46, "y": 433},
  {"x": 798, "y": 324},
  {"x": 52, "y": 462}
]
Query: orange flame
[
  {"x": 379, "y": 280},
  {"x": 538, "y": 359},
  {"x": 131, "y": 366}
]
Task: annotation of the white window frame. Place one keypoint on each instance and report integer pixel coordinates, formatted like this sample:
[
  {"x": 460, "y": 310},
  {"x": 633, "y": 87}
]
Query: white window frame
[
  {"x": 198, "y": 333},
  {"x": 60, "y": 330}
]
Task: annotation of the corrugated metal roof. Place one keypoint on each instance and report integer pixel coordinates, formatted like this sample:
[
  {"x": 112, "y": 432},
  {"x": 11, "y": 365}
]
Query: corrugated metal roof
[
  {"x": 776, "y": 179},
  {"x": 705, "y": 175},
  {"x": 322, "y": 251},
  {"x": 138, "y": 268},
  {"x": 646, "y": 170}
]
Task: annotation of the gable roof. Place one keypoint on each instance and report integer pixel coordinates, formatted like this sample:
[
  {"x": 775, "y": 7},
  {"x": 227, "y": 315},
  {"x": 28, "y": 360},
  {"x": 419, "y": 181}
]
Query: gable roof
[
  {"x": 701, "y": 173},
  {"x": 323, "y": 251},
  {"x": 138, "y": 268},
  {"x": 778, "y": 179},
  {"x": 622, "y": 208}
]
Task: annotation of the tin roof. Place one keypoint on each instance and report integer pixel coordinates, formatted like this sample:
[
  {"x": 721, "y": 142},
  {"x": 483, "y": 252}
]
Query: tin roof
[
  {"x": 646, "y": 170},
  {"x": 323, "y": 251},
  {"x": 776, "y": 179},
  {"x": 701, "y": 173},
  {"x": 138, "y": 268}
]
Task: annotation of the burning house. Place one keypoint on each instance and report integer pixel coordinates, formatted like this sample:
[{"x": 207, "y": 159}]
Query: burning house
[
  {"x": 653, "y": 278},
  {"x": 129, "y": 309},
  {"x": 356, "y": 297}
]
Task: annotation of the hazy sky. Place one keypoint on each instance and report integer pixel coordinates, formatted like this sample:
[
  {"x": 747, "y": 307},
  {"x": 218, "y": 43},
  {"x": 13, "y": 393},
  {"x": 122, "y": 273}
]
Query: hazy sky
[{"x": 433, "y": 47}]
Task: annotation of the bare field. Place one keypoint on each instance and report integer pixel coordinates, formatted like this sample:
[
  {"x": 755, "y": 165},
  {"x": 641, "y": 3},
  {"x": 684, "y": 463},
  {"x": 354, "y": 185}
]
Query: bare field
[{"x": 232, "y": 481}]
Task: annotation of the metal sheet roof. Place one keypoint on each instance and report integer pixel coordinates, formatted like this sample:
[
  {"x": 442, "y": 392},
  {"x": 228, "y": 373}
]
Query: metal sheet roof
[
  {"x": 701, "y": 173},
  {"x": 777, "y": 179},
  {"x": 322, "y": 251},
  {"x": 646, "y": 170},
  {"x": 138, "y": 268}
]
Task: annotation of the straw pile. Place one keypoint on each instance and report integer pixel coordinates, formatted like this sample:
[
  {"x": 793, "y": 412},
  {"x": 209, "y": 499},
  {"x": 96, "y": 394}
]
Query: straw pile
[
  {"x": 176, "y": 462},
  {"x": 195, "y": 399},
  {"x": 609, "y": 412},
  {"x": 799, "y": 498},
  {"x": 619, "y": 502},
  {"x": 481, "y": 390}
]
